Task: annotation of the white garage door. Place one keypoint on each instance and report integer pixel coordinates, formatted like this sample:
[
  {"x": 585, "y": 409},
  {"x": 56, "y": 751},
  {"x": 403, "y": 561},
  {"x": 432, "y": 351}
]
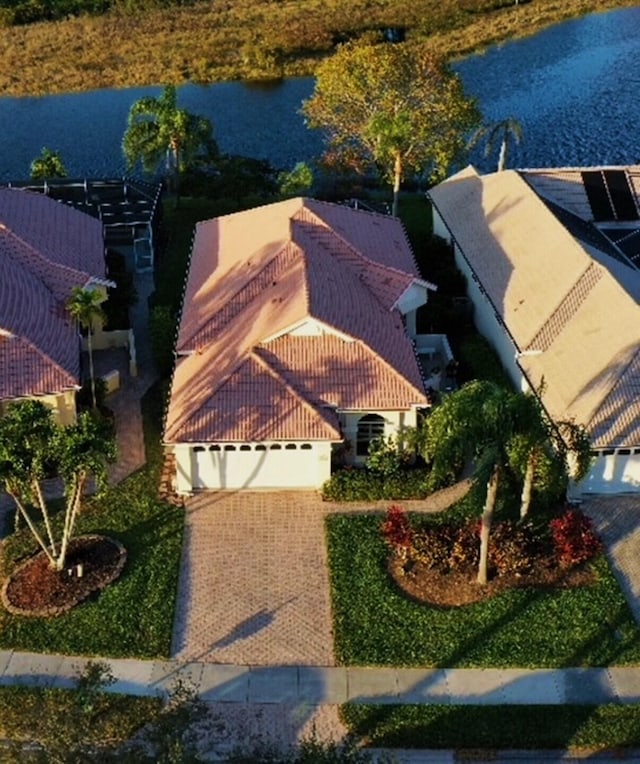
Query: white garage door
[
  {"x": 617, "y": 472},
  {"x": 275, "y": 465}
]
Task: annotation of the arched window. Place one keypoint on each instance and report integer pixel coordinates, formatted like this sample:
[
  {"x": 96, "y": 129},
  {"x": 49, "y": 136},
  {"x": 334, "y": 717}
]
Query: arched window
[
  {"x": 370, "y": 426},
  {"x": 290, "y": 447},
  {"x": 245, "y": 447}
]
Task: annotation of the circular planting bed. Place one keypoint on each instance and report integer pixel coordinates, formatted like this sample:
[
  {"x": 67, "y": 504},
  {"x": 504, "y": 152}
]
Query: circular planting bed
[
  {"x": 457, "y": 587},
  {"x": 36, "y": 589}
]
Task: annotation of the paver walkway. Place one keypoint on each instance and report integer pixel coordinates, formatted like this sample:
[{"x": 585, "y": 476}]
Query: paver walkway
[{"x": 254, "y": 586}]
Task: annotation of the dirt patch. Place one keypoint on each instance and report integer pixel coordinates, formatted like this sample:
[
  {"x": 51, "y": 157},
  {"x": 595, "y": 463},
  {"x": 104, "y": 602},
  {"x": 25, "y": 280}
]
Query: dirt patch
[
  {"x": 457, "y": 588},
  {"x": 35, "y": 589}
]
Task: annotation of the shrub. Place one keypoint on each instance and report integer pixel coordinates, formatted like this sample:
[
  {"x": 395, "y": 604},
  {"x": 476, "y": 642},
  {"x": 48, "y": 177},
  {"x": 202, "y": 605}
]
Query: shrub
[
  {"x": 514, "y": 548},
  {"x": 433, "y": 546},
  {"x": 574, "y": 539},
  {"x": 353, "y": 484},
  {"x": 465, "y": 552},
  {"x": 396, "y": 530}
]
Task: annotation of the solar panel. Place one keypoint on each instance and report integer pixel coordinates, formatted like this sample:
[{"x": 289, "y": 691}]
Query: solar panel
[
  {"x": 630, "y": 245},
  {"x": 621, "y": 196},
  {"x": 597, "y": 195}
]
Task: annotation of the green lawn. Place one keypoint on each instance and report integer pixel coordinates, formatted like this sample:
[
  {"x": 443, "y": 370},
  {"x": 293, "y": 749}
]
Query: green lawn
[
  {"x": 495, "y": 727},
  {"x": 134, "y": 616},
  {"x": 375, "y": 624}
]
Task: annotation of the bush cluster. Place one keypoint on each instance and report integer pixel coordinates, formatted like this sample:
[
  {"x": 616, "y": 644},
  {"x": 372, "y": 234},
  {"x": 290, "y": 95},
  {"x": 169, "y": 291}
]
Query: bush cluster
[
  {"x": 515, "y": 548},
  {"x": 574, "y": 539},
  {"x": 353, "y": 484}
]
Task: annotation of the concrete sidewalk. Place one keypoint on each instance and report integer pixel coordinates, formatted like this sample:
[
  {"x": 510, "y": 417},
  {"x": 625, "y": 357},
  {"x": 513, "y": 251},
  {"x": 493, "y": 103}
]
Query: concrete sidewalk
[{"x": 317, "y": 685}]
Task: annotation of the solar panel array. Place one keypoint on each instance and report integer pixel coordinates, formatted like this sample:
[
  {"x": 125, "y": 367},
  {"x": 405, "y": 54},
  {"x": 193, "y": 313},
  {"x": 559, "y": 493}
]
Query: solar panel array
[{"x": 610, "y": 195}]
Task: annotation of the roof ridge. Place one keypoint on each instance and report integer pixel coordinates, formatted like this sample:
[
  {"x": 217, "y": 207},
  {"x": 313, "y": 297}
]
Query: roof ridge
[{"x": 255, "y": 354}]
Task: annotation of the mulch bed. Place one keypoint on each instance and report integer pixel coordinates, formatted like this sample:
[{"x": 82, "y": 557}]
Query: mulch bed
[
  {"x": 457, "y": 588},
  {"x": 35, "y": 589}
]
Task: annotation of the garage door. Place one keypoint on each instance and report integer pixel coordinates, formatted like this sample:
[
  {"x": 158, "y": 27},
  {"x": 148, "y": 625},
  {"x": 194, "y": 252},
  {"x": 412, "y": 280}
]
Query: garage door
[
  {"x": 617, "y": 472},
  {"x": 274, "y": 465}
]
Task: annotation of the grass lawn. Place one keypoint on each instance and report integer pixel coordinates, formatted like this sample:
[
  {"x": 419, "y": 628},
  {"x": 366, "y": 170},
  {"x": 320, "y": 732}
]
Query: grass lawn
[
  {"x": 133, "y": 617},
  {"x": 115, "y": 717},
  {"x": 495, "y": 727},
  {"x": 376, "y": 625}
]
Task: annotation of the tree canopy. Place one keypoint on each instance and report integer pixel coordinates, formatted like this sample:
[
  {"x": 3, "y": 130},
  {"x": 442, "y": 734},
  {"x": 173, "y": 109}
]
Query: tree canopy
[
  {"x": 48, "y": 165},
  {"x": 393, "y": 108},
  {"x": 159, "y": 131},
  {"x": 498, "y": 132},
  {"x": 31, "y": 442}
]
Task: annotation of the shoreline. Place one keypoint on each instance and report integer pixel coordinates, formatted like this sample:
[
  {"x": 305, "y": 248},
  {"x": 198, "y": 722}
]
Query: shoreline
[{"x": 209, "y": 44}]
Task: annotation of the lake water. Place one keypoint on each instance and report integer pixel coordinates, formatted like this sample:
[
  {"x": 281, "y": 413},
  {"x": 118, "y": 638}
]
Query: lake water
[{"x": 573, "y": 87}]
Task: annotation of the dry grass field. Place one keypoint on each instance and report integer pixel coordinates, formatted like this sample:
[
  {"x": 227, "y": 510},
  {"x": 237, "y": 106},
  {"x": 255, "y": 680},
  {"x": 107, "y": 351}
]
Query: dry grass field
[{"x": 251, "y": 39}]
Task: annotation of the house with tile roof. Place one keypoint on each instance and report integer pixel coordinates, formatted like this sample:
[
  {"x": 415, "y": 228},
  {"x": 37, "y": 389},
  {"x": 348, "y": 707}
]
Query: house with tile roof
[
  {"x": 46, "y": 248},
  {"x": 295, "y": 338},
  {"x": 552, "y": 260}
]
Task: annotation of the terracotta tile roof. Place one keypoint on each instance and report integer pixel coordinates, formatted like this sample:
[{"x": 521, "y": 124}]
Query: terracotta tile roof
[
  {"x": 259, "y": 275},
  {"x": 556, "y": 295},
  {"x": 40, "y": 347}
]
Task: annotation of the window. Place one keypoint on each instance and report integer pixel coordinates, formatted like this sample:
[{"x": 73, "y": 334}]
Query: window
[
  {"x": 261, "y": 447},
  {"x": 624, "y": 452},
  {"x": 370, "y": 427},
  {"x": 229, "y": 448},
  {"x": 214, "y": 448},
  {"x": 245, "y": 448},
  {"x": 275, "y": 447},
  {"x": 290, "y": 447},
  {"x": 196, "y": 449},
  {"x": 306, "y": 446}
]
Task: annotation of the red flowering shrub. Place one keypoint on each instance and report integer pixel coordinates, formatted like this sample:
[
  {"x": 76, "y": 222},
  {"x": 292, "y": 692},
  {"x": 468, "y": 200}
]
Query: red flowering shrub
[
  {"x": 396, "y": 529},
  {"x": 574, "y": 539}
]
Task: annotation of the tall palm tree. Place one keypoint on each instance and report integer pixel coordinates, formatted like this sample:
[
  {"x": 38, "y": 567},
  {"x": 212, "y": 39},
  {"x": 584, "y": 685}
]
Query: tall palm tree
[
  {"x": 474, "y": 423},
  {"x": 158, "y": 131},
  {"x": 502, "y": 132},
  {"x": 85, "y": 307}
]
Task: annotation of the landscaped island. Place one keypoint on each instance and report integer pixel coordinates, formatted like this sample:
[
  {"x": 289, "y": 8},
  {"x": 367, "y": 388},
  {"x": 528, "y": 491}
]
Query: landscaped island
[{"x": 207, "y": 42}]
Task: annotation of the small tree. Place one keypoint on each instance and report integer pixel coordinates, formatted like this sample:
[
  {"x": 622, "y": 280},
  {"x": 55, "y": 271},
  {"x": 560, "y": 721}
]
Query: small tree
[
  {"x": 393, "y": 108},
  {"x": 29, "y": 438},
  {"x": 85, "y": 306},
  {"x": 48, "y": 165},
  {"x": 297, "y": 181}
]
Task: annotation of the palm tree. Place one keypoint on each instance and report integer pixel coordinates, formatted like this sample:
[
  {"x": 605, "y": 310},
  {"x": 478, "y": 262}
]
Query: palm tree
[
  {"x": 543, "y": 449},
  {"x": 501, "y": 131},
  {"x": 48, "y": 165},
  {"x": 84, "y": 305},
  {"x": 475, "y": 423},
  {"x": 157, "y": 131}
]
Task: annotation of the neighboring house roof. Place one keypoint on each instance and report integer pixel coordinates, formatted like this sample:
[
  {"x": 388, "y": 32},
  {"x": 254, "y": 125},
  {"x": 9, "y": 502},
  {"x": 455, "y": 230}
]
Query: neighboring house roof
[
  {"x": 568, "y": 303},
  {"x": 289, "y": 313},
  {"x": 46, "y": 248}
]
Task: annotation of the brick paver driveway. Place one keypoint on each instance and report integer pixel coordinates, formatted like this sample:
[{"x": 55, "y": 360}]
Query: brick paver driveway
[{"x": 254, "y": 586}]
